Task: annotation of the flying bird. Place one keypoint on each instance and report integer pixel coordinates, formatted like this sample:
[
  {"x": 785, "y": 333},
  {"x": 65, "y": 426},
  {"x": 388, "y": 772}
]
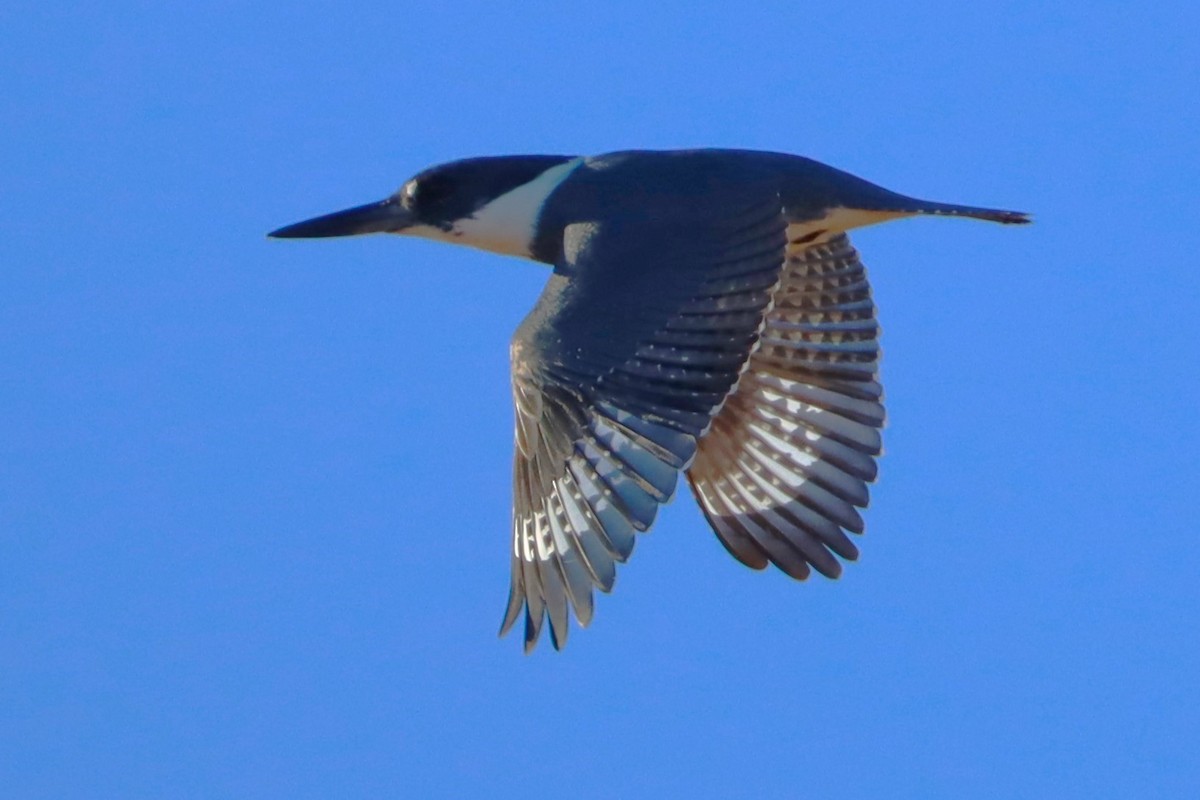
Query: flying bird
[{"x": 706, "y": 315}]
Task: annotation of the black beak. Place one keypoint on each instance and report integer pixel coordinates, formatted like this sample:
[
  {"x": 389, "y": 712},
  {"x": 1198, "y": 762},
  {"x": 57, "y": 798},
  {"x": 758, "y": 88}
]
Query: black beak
[{"x": 386, "y": 216}]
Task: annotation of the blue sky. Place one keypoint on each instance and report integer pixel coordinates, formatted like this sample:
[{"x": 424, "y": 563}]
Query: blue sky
[{"x": 254, "y": 495}]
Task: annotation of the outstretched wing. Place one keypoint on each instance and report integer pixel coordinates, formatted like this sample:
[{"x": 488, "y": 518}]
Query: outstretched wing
[
  {"x": 635, "y": 343},
  {"x": 785, "y": 467}
]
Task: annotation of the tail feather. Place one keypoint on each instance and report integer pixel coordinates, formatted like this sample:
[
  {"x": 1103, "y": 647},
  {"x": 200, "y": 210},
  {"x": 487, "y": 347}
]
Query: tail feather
[{"x": 974, "y": 212}]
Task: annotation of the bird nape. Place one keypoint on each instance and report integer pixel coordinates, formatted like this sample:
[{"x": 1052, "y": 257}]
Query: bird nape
[{"x": 706, "y": 314}]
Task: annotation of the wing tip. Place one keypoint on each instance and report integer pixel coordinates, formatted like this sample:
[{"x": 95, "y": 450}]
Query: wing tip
[{"x": 533, "y": 629}]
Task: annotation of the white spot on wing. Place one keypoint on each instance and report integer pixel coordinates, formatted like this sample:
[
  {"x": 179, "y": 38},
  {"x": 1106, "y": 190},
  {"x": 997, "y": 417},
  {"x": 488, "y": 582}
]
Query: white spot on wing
[
  {"x": 543, "y": 539},
  {"x": 527, "y": 546}
]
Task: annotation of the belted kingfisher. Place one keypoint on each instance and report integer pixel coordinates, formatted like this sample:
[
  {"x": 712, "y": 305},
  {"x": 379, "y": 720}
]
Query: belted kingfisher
[{"x": 706, "y": 314}]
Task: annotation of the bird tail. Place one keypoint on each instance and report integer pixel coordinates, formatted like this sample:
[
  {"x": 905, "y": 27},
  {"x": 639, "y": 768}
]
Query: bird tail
[
  {"x": 819, "y": 187},
  {"x": 971, "y": 212}
]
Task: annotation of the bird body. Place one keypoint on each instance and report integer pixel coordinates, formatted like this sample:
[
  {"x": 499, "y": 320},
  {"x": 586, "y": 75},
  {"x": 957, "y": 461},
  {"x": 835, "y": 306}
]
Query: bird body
[{"x": 707, "y": 315}]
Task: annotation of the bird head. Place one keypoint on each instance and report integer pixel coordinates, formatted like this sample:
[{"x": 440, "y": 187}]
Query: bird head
[{"x": 491, "y": 203}]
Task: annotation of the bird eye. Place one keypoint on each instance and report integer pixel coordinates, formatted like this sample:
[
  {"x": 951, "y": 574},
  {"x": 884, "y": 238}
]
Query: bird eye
[{"x": 409, "y": 192}]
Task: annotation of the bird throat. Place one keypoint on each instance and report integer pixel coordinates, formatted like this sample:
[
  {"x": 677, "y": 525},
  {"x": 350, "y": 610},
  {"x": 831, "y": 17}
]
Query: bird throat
[{"x": 508, "y": 224}]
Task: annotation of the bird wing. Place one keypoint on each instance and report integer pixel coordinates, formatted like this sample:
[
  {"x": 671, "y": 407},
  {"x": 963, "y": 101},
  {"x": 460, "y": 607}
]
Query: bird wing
[
  {"x": 634, "y": 344},
  {"x": 785, "y": 467}
]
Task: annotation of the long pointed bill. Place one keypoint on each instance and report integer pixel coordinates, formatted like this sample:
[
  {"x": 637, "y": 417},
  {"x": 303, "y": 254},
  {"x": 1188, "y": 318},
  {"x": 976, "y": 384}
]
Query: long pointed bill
[{"x": 386, "y": 216}]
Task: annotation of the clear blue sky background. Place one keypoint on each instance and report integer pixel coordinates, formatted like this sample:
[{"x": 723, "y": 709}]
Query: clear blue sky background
[{"x": 254, "y": 495}]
